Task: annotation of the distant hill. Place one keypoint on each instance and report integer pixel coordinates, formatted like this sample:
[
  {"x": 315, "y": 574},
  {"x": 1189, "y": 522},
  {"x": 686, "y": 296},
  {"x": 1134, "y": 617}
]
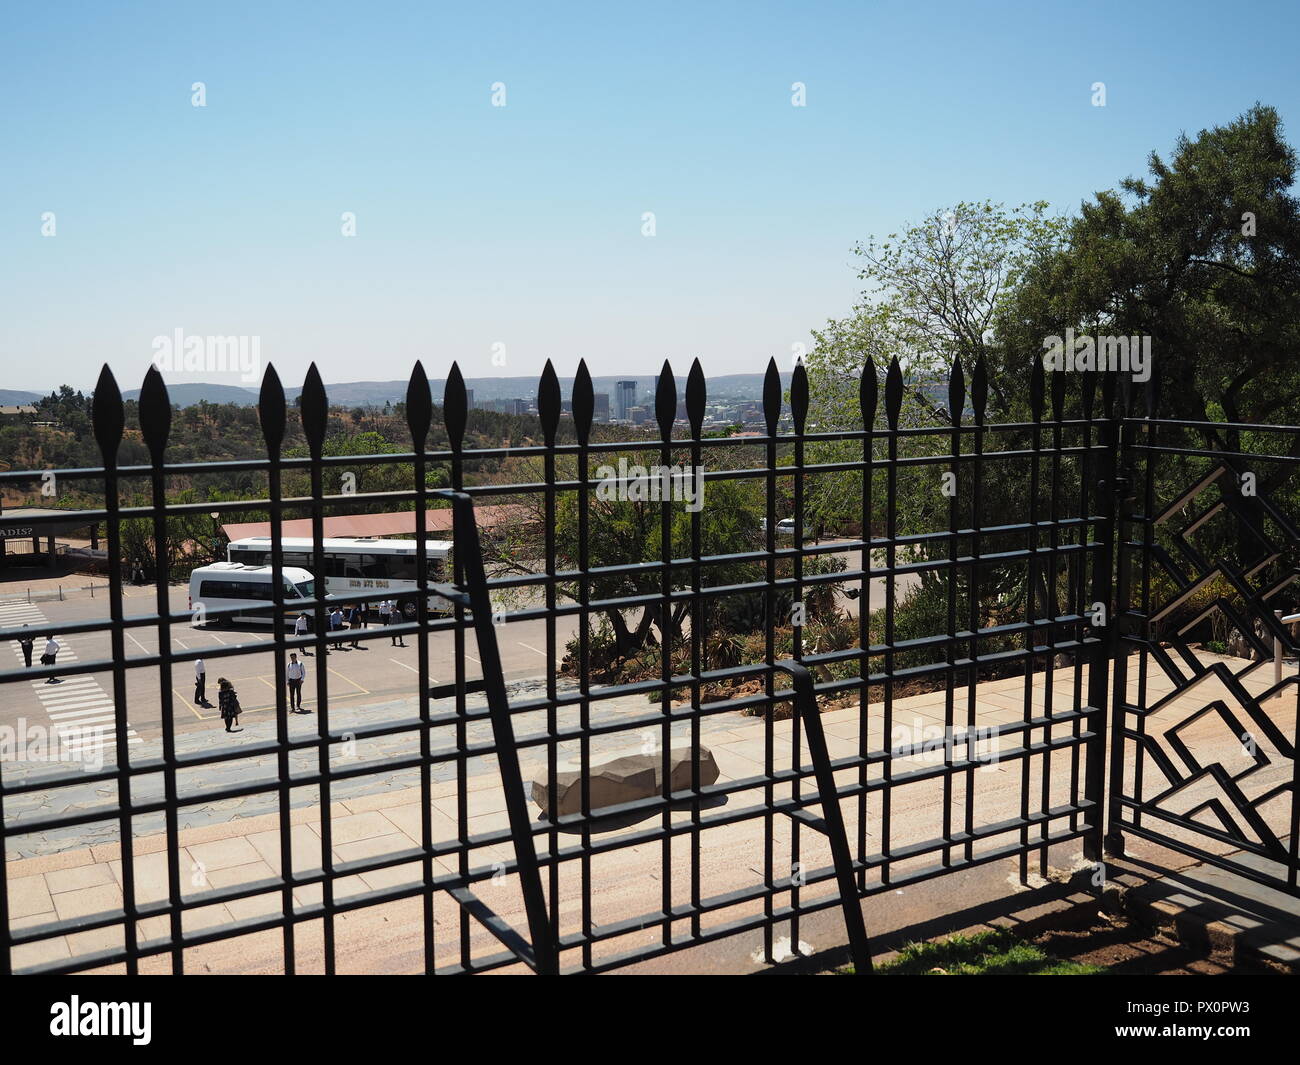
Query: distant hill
[
  {"x": 186, "y": 395},
  {"x": 12, "y": 397},
  {"x": 377, "y": 393}
]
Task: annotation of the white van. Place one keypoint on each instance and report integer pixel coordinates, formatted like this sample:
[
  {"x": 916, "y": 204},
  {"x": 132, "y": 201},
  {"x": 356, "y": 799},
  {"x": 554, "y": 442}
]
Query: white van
[{"x": 231, "y": 584}]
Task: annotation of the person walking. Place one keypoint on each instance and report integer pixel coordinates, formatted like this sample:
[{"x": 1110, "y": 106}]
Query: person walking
[
  {"x": 300, "y": 629},
  {"x": 295, "y": 673},
  {"x": 385, "y": 613},
  {"x": 200, "y": 683},
  {"x": 228, "y": 703},
  {"x": 26, "y": 642},
  {"x": 48, "y": 658},
  {"x": 336, "y": 621},
  {"x": 354, "y": 623},
  {"x": 395, "y": 618}
]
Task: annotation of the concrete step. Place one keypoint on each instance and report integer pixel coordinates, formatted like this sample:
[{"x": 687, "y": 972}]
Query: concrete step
[{"x": 1223, "y": 912}]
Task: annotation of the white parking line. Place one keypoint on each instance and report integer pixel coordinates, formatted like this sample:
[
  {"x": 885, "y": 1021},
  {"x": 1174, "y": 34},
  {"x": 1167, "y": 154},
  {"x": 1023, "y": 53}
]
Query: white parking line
[{"x": 531, "y": 648}]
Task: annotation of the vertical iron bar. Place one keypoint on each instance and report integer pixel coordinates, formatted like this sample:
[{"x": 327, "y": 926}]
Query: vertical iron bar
[
  {"x": 155, "y": 420},
  {"x": 271, "y": 409},
  {"x": 419, "y": 415},
  {"x": 950, "y": 643},
  {"x": 868, "y": 396},
  {"x": 108, "y": 420},
  {"x": 315, "y": 413}
]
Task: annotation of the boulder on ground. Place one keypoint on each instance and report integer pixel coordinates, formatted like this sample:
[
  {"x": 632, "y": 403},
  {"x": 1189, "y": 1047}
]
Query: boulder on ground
[{"x": 621, "y": 777}]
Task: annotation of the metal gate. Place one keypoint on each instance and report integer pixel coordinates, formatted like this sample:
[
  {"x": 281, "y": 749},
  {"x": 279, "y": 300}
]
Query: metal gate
[{"x": 1206, "y": 696}]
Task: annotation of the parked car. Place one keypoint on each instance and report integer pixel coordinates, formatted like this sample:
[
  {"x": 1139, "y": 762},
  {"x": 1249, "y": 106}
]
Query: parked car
[{"x": 784, "y": 527}]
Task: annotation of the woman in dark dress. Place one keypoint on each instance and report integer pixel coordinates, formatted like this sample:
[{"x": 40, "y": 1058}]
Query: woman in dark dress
[{"x": 227, "y": 703}]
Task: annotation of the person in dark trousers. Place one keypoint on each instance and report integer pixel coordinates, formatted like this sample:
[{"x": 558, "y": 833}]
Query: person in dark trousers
[
  {"x": 25, "y": 642},
  {"x": 354, "y": 623},
  {"x": 200, "y": 683},
  {"x": 300, "y": 629},
  {"x": 395, "y": 618},
  {"x": 295, "y": 673},
  {"x": 227, "y": 703},
  {"x": 47, "y": 659}
]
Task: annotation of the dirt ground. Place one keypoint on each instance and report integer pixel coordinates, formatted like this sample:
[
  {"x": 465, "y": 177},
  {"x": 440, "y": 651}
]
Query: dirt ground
[{"x": 1126, "y": 948}]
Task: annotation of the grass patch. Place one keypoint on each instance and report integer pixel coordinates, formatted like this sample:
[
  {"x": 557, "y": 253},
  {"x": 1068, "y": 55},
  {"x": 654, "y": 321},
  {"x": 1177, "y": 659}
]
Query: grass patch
[{"x": 998, "y": 952}]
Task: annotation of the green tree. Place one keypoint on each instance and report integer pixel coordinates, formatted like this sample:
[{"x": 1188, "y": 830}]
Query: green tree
[{"x": 1203, "y": 257}]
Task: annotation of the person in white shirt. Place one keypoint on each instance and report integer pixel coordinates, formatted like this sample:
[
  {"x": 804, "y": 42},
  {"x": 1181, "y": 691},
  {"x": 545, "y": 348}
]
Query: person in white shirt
[
  {"x": 295, "y": 673},
  {"x": 47, "y": 659},
  {"x": 200, "y": 681},
  {"x": 300, "y": 629}
]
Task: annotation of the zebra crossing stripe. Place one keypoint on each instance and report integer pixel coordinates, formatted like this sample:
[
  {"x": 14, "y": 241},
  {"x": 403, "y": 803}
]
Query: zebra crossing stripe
[
  {"x": 66, "y": 690},
  {"x": 96, "y": 713},
  {"x": 80, "y": 692},
  {"x": 50, "y": 698},
  {"x": 51, "y": 694},
  {"x": 76, "y": 705}
]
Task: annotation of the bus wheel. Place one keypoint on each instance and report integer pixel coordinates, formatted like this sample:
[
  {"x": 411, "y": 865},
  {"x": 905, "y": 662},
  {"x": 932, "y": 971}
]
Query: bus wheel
[{"x": 410, "y": 611}]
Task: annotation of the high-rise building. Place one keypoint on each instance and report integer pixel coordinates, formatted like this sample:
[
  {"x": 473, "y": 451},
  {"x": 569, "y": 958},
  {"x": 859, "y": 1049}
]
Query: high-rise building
[
  {"x": 624, "y": 399},
  {"x": 469, "y": 399},
  {"x": 601, "y": 413}
]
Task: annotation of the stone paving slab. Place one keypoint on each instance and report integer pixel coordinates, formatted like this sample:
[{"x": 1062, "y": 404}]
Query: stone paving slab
[{"x": 371, "y": 817}]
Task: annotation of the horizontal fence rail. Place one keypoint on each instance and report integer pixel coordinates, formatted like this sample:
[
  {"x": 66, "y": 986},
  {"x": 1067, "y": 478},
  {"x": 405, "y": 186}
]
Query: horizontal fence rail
[{"x": 960, "y": 664}]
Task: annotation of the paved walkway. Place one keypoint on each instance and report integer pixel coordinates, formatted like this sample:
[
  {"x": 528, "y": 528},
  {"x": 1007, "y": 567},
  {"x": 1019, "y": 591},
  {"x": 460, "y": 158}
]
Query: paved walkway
[{"x": 239, "y": 844}]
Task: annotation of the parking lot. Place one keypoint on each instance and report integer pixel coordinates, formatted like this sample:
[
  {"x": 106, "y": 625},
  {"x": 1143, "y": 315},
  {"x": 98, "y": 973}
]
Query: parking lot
[{"x": 375, "y": 671}]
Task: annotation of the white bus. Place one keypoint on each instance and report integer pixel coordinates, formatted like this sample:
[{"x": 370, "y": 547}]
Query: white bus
[
  {"x": 359, "y": 564},
  {"x": 230, "y": 584}
]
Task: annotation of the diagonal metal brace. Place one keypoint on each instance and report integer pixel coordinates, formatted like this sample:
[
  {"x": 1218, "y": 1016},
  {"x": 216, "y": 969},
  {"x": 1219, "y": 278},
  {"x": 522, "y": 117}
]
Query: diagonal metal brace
[
  {"x": 545, "y": 958},
  {"x": 831, "y": 823}
]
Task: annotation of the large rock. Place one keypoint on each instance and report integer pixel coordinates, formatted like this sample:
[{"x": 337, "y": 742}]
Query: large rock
[{"x": 624, "y": 777}]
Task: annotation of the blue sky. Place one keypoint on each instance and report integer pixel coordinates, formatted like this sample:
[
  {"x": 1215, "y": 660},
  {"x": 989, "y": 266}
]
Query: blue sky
[{"x": 521, "y": 225}]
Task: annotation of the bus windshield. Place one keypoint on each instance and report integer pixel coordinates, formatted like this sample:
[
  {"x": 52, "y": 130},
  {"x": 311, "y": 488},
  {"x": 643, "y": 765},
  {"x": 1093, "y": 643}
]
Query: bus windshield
[{"x": 306, "y": 589}]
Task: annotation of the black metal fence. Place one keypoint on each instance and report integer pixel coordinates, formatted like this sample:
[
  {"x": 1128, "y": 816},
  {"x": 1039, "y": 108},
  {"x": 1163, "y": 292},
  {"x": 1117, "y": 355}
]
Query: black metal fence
[
  {"x": 1208, "y": 547},
  {"x": 973, "y": 732}
]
